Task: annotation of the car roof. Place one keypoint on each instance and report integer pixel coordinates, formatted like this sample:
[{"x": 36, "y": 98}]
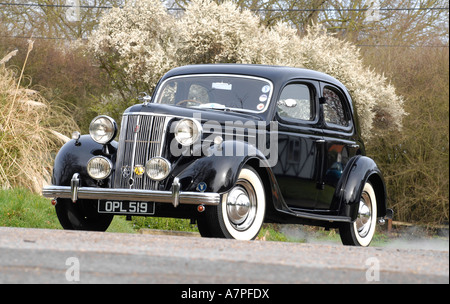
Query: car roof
[{"x": 276, "y": 74}]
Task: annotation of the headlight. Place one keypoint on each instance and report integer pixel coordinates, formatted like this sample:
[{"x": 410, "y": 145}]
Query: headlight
[
  {"x": 157, "y": 168},
  {"x": 99, "y": 167},
  {"x": 188, "y": 131},
  {"x": 103, "y": 129}
]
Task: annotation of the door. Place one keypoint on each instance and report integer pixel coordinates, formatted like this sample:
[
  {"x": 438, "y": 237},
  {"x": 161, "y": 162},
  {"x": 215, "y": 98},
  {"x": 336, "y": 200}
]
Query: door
[
  {"x": 339, "y": 143},
  {"x": 298, "y": 135}
]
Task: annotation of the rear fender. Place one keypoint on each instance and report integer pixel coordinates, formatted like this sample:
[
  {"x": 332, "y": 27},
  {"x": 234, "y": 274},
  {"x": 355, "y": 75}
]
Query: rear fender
[{"x": 361, "y": 169}]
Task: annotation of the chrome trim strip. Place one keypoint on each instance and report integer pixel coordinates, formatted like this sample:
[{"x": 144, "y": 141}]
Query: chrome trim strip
[
  {"x": 133, "y": 153},
  {"x": 151, "y": 114},
  {"x": 92, "y": 193},
  {"x": 320, "y": 217},
  {"x": 167, "y": 121}
]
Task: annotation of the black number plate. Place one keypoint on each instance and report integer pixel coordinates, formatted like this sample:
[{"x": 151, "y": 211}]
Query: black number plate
[{"x": 126, "y": 207}]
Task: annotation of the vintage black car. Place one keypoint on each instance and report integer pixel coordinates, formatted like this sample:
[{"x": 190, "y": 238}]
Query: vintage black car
[{"x": 230, "y": 147}]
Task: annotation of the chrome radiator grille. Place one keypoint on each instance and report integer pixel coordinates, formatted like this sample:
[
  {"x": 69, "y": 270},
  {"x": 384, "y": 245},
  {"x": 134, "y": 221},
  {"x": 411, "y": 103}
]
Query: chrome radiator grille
[{"x": 141, "y": 138}]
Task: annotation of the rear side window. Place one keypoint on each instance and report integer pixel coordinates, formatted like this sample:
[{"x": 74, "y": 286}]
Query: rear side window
[
  {"x": 333, "y": 108},
  {"x": 296, "y": 102}
]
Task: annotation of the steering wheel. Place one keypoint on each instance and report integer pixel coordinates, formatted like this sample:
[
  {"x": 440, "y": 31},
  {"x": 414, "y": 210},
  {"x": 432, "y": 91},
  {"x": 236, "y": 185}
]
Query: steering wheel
[{"x": 188, "y": 100}]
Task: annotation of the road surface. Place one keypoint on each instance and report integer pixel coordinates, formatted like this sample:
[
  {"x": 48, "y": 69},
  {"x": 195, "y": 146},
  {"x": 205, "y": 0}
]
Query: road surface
[{"x": 57, "y": 256}]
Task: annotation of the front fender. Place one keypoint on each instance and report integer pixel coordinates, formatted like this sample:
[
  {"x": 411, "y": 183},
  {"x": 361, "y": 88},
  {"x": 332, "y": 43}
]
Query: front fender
[
  {"x": 73, "y": 158},
  {"x": 361, "y": 169},
  {"x": 219, "y": 169}
]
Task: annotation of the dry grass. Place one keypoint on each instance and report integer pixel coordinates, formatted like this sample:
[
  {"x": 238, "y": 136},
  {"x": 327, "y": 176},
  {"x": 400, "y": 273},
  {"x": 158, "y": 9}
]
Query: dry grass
[
  {"x": 415, "y": 162},
  {"x": 31, "y": 129}
]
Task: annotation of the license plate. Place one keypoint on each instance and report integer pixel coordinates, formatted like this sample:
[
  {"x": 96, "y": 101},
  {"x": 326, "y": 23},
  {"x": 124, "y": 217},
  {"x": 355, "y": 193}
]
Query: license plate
[{"x": 126, "y": 207}]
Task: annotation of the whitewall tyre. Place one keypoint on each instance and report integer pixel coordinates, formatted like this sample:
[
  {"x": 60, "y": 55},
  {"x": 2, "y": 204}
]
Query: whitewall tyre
[
  {"x": 361, "y": 231},
  {"x": 241, "y": 212}
]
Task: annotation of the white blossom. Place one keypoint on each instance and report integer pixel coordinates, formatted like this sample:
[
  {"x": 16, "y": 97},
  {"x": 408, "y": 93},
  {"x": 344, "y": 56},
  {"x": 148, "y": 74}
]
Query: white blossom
[{"x": 147, "y": 42}]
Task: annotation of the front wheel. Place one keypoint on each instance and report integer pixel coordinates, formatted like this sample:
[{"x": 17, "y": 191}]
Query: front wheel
[
  {"x": 241, "y": 212},
  {"x": 361, "y": 231},
  {"x": 81, "y": 215}
]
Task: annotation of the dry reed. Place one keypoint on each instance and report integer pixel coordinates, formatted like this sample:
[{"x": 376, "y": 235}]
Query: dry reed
[{"x": 31, "y": 131}]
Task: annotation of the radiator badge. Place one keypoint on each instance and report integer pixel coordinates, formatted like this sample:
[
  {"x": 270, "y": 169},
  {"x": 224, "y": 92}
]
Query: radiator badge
[
  {"x": 139, "y": 170},
  {"x": 126, "y": 171}
]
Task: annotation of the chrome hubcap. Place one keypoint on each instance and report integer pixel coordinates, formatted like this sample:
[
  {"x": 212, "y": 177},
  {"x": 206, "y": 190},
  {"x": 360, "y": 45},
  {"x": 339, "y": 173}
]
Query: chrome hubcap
[
  {"x": 364, "y": 219},
  {"x": 241, "y": 205}
]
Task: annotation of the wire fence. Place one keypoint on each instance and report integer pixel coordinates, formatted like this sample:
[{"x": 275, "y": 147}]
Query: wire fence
[{"x": 260, "y": 10}]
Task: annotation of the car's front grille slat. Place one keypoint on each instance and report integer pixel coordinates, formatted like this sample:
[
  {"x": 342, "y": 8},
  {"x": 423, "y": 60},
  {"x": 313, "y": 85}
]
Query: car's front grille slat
[{"x": 140, "y": 139}]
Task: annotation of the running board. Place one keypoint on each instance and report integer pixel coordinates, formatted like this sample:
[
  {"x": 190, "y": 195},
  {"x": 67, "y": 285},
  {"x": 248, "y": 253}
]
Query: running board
[
  {"x": 318, "y": 217},
  {"x": 332, "y": 218}
]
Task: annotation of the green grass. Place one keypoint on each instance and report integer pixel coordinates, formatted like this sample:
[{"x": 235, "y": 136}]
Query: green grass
[
  {"x": 21, "y": 208},
  {"x": 161, "y": 223},
  {"x": 271, "y": 232}
]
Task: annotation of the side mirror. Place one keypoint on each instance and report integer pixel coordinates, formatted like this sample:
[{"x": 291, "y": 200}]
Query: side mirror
[{"x": 289, "y": 103}]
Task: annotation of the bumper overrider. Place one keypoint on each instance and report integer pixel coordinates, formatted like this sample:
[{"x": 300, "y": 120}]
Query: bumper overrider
[{"x": 174, "y": 197}]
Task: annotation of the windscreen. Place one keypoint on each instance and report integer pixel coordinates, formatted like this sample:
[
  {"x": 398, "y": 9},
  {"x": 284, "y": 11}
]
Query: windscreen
[{"x": 217, "y": 92}]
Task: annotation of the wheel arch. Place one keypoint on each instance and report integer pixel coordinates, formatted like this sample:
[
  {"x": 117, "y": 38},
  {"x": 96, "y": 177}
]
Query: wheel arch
[{"x": 362, "y": 169}]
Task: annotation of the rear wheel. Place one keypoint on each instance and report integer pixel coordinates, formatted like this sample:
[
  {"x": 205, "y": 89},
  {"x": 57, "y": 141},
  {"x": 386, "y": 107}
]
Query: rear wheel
[
  {"x": 81, "y": 215},
  {"x": 241, "y": 212},
  {"x": 361, "y": 231}
]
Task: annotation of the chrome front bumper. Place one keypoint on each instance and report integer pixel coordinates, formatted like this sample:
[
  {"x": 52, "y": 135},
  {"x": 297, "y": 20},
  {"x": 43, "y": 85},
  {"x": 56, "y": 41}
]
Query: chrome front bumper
[{"x": 175, "y": 197}]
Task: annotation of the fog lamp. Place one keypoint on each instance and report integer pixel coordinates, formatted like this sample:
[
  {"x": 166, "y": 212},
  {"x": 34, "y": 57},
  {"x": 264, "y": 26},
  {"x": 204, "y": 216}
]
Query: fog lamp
[{"x": 99, "y": 167}]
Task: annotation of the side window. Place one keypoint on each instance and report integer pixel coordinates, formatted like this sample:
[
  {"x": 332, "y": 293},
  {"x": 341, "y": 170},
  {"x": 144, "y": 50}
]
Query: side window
[
  {"x": 296, "y": 102},
  {"x": 333, "y": 108}
]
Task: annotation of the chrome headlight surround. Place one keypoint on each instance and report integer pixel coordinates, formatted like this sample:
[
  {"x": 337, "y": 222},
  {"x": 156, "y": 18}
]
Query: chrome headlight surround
[
  {"x": 158, "y": 168},
  {"x": 188, "y": 131},
  {"x": 99, "y": 167},
  {"x": 103, "y": 129}
]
